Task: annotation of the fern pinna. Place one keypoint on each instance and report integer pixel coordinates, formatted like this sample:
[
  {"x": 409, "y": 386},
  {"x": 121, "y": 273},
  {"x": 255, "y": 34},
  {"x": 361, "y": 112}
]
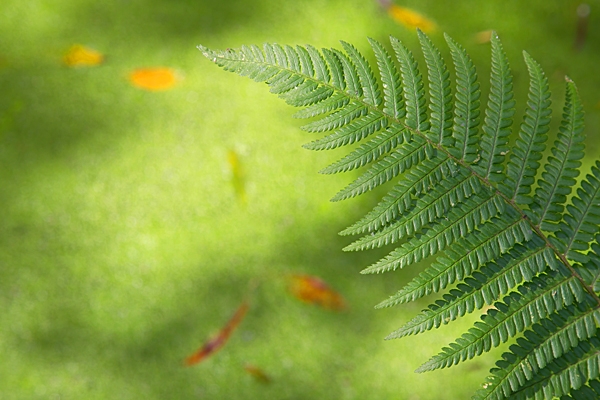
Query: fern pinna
[{"x": 463, "y": 198}]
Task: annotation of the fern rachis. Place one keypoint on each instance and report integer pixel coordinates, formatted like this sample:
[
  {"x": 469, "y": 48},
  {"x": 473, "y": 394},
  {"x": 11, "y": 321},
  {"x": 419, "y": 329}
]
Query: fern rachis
[{"x": 462, "y": 199}]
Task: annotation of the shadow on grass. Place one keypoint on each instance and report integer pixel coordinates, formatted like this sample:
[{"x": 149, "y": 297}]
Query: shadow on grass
[{"x": 309, "y": 352}]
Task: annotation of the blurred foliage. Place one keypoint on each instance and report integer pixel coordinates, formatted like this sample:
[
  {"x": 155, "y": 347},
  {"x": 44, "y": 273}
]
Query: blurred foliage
[{"x": 124, "y": 243}]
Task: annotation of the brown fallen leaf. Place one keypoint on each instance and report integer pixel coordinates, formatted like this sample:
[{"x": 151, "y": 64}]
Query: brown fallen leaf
[
  {"x": 153, "y": 79},
  {"x": 258, "y": 374},
  {"x": 79, "y": 55},
  {"x": 214, "y": 344},
  {"x": 313, "y": 290}
]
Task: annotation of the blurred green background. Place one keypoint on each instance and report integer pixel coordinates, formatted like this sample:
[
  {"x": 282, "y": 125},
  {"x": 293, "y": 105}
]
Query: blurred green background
[{"x": 123, "y": 243}]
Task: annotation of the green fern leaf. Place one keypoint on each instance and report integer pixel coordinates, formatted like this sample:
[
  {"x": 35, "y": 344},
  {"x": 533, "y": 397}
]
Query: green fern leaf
[
  {"x": 392, "y": 87},
  {"x": 459, "y": 201},
  {"x": 535, "y": 300},
  {"x": 492, "y": 280},
  {"x": 398, "y": 162},
  {"x": 562, "y": 167},
  {"x": 466, "y": 109},
  {"x": 368, "y": 152},
  {"x": 417, "y": 181},
  {"x": 435, "y": 204},
  {"x": 524, "y": 160},
  {"x": 414, "y": 92},
  {"x": 498, "y": 117},
  {"x": 546, "y": 341},
  {"x": 439, "y": 89},
  {"x": 566, "y": 373},
  {"x": 581, "y": 223},
  {"x": 370, "y": 89}
]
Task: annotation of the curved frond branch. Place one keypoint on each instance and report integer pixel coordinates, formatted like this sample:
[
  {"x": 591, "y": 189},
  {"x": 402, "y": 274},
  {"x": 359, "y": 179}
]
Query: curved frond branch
[
  {"x": 498, "y": 116},
  {"x": 435, "y": 204},
  {"x": 396, "y": 163},
  {"x": 569, "y": 372},
  {"x": 418, "y": 180},
  {"x": 535, "y": 300},
  {"x": 368, "y": 82},
  {"x": 581, "y": 222},
  {"x": 459, "y": 221},
  {"x": 562, "y": 167},
  {"x": 382, "y": 143},
  {"x": 466, "y": 109},
  {"x": 393, "y": 104},
  {"x": 439, "y": 91},
  {"x": 493, "y": 279},
  {"x": 546, "y": 341},
  {"x": 413, "y": 88},
  {"x": 523, "y": 162}
]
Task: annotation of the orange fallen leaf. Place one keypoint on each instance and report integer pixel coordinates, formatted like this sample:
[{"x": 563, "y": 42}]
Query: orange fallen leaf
[
  {"x": 313, "y": 290},
  {"x": 237, "y": 175},
  {"x": 214, "y": 344},
  {"x": 79, "y": 55},
  {"x": 410, "y": 18},
  {"x": 153, "y": 78},
  {"x": 257, "y": 373}
]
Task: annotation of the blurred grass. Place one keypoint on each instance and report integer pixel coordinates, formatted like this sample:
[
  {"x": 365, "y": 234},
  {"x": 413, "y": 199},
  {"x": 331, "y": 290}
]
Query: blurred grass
[{"x": 123, "y": 245}]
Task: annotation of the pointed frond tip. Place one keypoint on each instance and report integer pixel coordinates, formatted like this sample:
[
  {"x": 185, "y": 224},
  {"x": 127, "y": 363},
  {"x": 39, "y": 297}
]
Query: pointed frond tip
[{"x": 506, "y": 229}]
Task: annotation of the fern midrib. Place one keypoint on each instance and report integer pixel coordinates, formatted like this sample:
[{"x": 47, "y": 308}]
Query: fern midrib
[{"x": 439, "y": 146}]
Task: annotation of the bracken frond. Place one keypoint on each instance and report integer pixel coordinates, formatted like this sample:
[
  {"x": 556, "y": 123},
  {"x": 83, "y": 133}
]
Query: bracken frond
[{"x": 463, "y": 198}]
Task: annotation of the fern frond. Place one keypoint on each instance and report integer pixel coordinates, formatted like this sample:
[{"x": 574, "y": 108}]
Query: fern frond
[
  {"x": 396, "y": 163},
  {"x": 382, "y": 143},
  {"x": 543, "y": 343},
  {"x": 324, "y": 106},
  {"x": 523, "y": 162},
  {"x": 428, "y": 210},
  {"x": 439, "y": 90},
  {"x": 435, "y": 204},
  {"x": 463, "y": 198},
  {"x": 392, "y": 87},
  {"x": 338, "y": 119},
  {"x": 349, "y": 73},
  {"x": 535, "y": 300},
  {"x": 414, "y": 92},
  {"x": 498, "y": 116},
  {"x": 350, "y": 133},
  {"x": 493, "y": 279},
  {"x": 562, "y": 168},
  {"x": 466, "y": 108},
  {"x": 417, "y": 181},
  {"x": 368, "y": 83},
  {"x": 458, "y": 222},
  {"x": 569, "y": 372},
  {"x": 581, "y": 222}
]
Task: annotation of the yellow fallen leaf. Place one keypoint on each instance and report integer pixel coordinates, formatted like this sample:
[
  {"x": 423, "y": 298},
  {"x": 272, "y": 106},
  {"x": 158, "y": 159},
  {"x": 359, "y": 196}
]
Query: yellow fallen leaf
[
  {"x": 237, "y": 175},
  {"x": 411, "y": 19},
  {"x": 79, "y": 55},
  {"x": 483, "y": 37},
  {"x": 153, "y": 78}
]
